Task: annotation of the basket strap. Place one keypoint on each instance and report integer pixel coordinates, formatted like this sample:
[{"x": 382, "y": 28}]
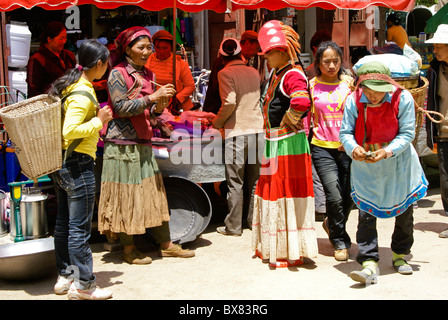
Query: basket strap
[{"x": 76, "y": 142}]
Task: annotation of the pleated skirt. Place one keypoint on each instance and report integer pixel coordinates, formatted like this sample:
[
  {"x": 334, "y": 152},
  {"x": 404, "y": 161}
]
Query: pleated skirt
[
  {"x": 132, "y": 195},
  {"x": 283, "y": 220}
]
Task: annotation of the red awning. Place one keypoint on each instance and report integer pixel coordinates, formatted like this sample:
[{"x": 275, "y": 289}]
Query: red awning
[
  {"x": 150, "y": 5},
  {"x": 401, "y": 5}
]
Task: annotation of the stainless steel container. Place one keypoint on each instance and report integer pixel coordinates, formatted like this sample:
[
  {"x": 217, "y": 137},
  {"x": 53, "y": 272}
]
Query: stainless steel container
[
  {"x": 33, "y": 216},
  {"x": 27, "y": 259}
]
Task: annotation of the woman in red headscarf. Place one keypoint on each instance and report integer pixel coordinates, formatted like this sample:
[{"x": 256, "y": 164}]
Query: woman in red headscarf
[
  {"x": 283, "y": 218},
  {"x": 132, "y": 192}
]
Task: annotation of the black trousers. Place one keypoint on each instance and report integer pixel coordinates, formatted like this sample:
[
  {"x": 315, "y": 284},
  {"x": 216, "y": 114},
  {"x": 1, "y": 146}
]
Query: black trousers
[
  {"x": 367, "y": 235},
  {"x": 442, "y": 154}
]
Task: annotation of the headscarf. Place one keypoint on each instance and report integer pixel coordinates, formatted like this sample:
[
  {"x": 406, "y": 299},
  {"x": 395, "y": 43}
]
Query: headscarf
[
  {"x": 376, "y": 76},
  {"x": 123, "y": 40}
]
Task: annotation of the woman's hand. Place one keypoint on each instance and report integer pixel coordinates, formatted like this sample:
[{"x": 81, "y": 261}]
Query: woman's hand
[
  {"x": 294, "y": 126},
  {"x": 359, "y": 154},
  {"x": 377, "y": 156},
  {"x": 162, "y": 96},
  {"x": 105, "y": 115}
]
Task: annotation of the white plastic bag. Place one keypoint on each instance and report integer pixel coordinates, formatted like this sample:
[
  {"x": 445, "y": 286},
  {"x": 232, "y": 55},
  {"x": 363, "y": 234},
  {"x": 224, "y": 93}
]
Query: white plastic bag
[{"x": 399, "y": 65}]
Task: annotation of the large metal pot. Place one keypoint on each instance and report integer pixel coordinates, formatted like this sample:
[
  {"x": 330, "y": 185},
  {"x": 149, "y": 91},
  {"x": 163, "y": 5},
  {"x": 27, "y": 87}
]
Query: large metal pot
[
  {"x": 27, "y": 259},
  {"x": 33, "y": 216}
]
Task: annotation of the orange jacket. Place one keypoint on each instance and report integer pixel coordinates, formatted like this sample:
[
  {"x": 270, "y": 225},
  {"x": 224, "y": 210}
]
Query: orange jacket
[{"x": 163, "y": 70}]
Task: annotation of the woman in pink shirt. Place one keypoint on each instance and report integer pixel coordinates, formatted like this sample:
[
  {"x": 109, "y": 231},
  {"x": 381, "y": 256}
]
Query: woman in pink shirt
[{"x": 328, "y": 90}]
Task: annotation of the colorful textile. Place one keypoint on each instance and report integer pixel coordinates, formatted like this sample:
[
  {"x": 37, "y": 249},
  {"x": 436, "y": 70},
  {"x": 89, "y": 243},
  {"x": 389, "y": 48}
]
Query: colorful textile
[
  {"x": 388, "y": 187},
  {"x": 327, "y": 108},
  {"x": 133, "y": 196},
  {"x": 283, "y": 218},
  {"x": 130, "y": 106},
  {"x": 287, "y": 93}
]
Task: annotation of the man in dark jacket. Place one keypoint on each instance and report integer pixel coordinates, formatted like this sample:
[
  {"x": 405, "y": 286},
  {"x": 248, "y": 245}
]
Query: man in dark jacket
[{"x": 438, "y": 101}]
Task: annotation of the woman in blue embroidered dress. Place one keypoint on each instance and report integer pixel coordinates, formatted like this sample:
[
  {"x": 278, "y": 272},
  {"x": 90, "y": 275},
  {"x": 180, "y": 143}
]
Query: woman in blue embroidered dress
[{"x": 386, "y": 176}]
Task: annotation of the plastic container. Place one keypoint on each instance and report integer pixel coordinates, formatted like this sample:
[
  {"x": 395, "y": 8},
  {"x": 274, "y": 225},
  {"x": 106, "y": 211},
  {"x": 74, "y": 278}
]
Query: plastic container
[
  {"x": 17, "y": 80},
  {"x": 12, "y": 165},
  {"x": 18, "y": 39},
  {"x": 306, "y": 59},
  {"x": 422, "y": 37}
]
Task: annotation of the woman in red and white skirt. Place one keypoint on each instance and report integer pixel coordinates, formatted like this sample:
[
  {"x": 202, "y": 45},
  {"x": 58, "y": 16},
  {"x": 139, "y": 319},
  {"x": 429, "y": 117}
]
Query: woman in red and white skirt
[{"x": 283, "y": 219}]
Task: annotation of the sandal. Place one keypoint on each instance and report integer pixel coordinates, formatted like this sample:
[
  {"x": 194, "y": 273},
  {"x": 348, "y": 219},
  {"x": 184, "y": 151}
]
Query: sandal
[{"x": 402, "y": 266}]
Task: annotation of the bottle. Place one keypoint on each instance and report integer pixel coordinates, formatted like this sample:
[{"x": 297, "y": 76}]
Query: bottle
[{"x": 422, "y": 37}]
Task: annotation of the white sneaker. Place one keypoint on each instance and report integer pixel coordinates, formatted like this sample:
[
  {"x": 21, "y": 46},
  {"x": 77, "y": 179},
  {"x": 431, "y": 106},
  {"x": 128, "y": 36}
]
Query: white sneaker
[
  {"x": 91, "y": 294},
  {"x": 62, "y": 285}
]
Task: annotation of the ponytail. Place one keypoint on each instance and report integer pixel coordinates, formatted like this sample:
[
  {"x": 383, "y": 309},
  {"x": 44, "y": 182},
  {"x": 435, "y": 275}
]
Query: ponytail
[{"x": 88, "y": 55}]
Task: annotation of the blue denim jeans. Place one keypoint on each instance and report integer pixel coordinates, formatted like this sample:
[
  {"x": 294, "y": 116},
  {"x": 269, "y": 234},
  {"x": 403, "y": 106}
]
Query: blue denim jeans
[
  {"x": 333, "y": 168},
  {"x": 367, "y": 235},
  {"x": 74, "y": 222}
]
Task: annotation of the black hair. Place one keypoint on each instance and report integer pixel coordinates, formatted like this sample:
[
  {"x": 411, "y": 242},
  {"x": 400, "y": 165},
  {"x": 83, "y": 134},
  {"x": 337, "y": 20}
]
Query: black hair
[
  {"x": 51, "y": 30},
  {"x": 88, "y": 55},
  {"x": 394, "y": 18},
  {"x": 359, "y": 53},
  {"x": 319, "y": 37},
  {"x": 320, "y": 53}
]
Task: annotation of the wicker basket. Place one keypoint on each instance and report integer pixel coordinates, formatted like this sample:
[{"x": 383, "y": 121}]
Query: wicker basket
[
  {"x": 410, "y": 82},
  {"x": 419, "y": 95},
  {"x": 34, "y": 126}
]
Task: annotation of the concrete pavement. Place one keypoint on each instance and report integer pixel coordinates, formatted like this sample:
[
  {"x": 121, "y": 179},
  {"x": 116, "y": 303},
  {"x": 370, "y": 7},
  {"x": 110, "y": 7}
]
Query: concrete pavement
[{"x": 224, "y": 269}]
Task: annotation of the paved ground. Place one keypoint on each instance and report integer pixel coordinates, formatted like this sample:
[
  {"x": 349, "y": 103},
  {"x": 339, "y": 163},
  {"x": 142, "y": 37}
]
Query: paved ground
[{"x": 224, "y": 269}]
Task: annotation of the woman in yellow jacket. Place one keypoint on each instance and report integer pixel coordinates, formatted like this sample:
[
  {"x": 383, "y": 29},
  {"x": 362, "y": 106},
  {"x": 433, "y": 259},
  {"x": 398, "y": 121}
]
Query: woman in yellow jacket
[
  {"x": 76, "y": 198},
  {"x": 161, "y": 63}
]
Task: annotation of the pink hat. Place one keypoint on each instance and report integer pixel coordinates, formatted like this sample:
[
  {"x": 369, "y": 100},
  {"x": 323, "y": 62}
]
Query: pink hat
[{"x": 271, "y": 36}]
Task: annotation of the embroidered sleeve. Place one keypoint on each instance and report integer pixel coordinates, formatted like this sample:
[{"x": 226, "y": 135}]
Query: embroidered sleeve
[
  {"x": 295, "y": 85},
  {"x": 118, "y": 91}
]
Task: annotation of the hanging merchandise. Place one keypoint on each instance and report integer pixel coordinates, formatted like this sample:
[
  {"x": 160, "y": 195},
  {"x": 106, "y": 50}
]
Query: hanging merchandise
[
  {"x": 167, "y": 23},
  {"x": 188, "y": 30}
]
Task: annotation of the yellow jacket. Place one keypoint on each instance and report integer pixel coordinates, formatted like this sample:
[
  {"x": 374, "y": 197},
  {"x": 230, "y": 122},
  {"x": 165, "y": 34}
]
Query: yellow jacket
[{"x": 79, "y": 119}]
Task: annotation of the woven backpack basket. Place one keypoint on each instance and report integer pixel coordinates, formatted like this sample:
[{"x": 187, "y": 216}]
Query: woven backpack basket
[{"x": 34, "y": 126}]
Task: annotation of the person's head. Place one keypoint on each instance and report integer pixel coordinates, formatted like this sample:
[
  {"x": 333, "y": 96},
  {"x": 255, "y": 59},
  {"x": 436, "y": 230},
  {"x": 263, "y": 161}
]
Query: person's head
[
  {"x": 319, "y": 37},
  {"x": 92, "y": 58},
  {"x": 393, "y": 20},
  {"x": 375, "y": 81},
  {"x": 54, "y": 36},
  {"x": 230, "y": 50},
  {"x": 134, "y": 43},
  {"x": 440, "y": 43},
  {"x": 163, "y": 44},
  {"x": 279, "y": 42},
  {"x": 358, "y": 53},
  {"x": 328, "y": 60},
  {"x": 249, "y": 44}
]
